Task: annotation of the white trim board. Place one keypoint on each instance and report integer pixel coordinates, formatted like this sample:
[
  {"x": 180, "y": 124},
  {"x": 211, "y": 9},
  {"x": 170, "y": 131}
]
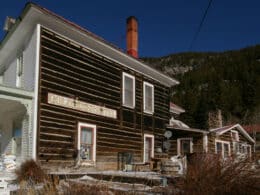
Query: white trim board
[{"x": 36, "y": 90}]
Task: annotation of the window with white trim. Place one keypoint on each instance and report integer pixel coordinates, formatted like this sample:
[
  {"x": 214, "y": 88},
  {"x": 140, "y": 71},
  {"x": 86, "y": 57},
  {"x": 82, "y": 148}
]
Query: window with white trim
[
  {"x": 148, "y": 92},
  {"x": 222, "y": 148},
  {"x": 245, "y": 149},
  {"x": 128, "y": 90},
  {"x": 19, "y": 70},
  {"x": 184, "y": 146},
  {"x": 87, "y": 141},
  {"x": 148, "y": 147}
]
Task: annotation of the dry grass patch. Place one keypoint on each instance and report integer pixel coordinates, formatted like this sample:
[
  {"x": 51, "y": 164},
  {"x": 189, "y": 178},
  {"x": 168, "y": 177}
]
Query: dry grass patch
[{"x": 209, "y": 174}]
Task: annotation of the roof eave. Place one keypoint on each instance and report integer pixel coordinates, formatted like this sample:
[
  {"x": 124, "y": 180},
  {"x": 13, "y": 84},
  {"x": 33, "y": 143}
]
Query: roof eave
[
  {"x": 165, "y": 79},
  {"x": 187, "y": 129},
  {"x": 242, "y": 130}
]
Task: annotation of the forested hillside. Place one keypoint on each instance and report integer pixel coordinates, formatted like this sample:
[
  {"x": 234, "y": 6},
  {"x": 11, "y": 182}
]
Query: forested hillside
[{"x": 229, "y": 81}]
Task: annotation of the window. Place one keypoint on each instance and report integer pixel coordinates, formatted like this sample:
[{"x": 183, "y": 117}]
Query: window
[
  {"x": 19, "y": 70},
  {"x": 148, "y": 147},
  {"x": 148, "y": 92},
  {"x": 234, "y": 136},
  {"x": 222, "y": 148},
  {"x": 245, "y": 149},
  {"x": 87, "y": 141},
  {"x": 184, "y": 146},
  {"x": 128, "y": 90}
]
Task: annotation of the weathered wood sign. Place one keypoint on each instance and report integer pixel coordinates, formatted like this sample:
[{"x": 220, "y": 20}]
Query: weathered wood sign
[{"x": 81, "y": 106}]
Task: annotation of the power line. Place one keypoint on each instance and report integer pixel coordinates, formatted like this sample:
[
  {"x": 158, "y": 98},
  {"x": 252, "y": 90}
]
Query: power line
[{"x": 200, "y": 26}]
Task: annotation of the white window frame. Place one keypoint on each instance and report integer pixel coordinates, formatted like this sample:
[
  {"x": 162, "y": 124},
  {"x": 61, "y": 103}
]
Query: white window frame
[
  {"x": 237, "y": 135},
  {"x": 184, "y": 139},
  {"x": 123, "y": 89},
  {"x": 150, "y": 136},
  {"x": 94, "y": 127},
  {"x": 144, "y": 102},
  {"x": 19, "y": 70},
  {"x": 246, "y": 146},
  {"x": 222, "y": 143}
]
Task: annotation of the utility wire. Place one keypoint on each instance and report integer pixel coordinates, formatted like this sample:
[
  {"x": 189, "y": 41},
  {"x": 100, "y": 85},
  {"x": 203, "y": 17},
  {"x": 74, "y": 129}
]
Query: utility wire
[{"x": 200, "y": 26}]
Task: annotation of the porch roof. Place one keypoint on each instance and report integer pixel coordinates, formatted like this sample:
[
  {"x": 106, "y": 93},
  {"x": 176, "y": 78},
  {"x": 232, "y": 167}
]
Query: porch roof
[
  {"x": 15, "y": 92},
  {"x": 187, "y": 129}
]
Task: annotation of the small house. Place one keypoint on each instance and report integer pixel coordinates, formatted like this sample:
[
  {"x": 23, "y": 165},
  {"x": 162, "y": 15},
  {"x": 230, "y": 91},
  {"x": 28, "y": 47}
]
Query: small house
[{"x": 231, "y": 140}]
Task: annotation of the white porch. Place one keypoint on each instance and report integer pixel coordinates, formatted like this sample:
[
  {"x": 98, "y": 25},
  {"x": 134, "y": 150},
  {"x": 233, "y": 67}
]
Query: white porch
[{"x": 15, "y": 123}]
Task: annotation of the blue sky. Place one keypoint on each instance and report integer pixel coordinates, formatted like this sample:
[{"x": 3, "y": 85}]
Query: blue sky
[{"x": 165, "y": 26}]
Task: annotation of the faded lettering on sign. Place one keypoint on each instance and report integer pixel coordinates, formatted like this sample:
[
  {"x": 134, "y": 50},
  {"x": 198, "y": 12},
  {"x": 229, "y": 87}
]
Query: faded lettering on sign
[{"x": 80, "y": 105}]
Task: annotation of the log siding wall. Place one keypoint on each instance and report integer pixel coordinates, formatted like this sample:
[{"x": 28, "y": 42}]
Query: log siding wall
[{"x": 70, "y": 70}]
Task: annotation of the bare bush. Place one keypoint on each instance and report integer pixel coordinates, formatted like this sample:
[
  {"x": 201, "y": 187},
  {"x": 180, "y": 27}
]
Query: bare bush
[
  {"x": 30, "y": 171},
  {"x": 209, "y": 174}
]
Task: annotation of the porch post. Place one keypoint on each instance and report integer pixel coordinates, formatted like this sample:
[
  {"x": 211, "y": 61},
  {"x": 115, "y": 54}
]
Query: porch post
[
  {"x": 205, "y": 142},
  {"x": 27, "y": 131}
]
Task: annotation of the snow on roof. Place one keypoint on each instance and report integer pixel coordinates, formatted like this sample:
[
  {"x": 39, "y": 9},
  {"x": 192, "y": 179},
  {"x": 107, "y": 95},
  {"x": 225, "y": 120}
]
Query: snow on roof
[
  {"x": 222, "y": 130},
  {"x": 177, "y": 123},
  {"x": 176, "y": 109}
]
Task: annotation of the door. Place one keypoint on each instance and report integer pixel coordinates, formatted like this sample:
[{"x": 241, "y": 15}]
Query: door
[{"x": 148, "y": 147}]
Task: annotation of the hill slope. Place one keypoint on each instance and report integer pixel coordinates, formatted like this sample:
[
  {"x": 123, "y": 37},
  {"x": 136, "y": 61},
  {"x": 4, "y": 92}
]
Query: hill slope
[{"x": 229, "y": 81}]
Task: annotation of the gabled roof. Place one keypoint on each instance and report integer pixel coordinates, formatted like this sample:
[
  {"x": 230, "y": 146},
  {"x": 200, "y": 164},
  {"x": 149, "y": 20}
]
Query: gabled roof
[
  {"x": 34, "y": 14},
  {"x": 222, "y": 130}
]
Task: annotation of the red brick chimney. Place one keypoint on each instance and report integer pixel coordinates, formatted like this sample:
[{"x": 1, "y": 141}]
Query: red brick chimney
[{"x": 132, "y": 36}]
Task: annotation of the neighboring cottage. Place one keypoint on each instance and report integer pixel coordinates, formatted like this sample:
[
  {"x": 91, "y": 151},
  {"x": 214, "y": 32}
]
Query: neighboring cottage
[
  {"x": 228, "y": 141},
  {"x": 231, "y": 140},
  {"x": 69, "y": 96}
]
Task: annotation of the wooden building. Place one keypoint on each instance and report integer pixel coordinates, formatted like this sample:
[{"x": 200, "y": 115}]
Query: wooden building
[
  {"x": 231, "y": 140},
  {"x": 91, "y": 101}
]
